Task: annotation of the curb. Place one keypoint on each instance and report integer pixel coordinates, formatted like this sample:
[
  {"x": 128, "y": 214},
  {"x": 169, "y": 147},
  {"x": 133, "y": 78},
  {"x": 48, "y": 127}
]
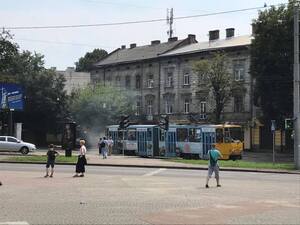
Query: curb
[{"x": 168, "y": 167}]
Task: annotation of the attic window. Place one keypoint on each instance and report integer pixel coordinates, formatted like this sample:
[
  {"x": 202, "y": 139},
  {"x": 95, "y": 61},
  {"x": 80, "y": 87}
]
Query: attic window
[
  {"x": 138, "y": 67},
  {"x": 186, "y": 60},
  {"x": 127, "y": 68},
  {"x": 150, "y": 65},
  {"x": 107, "y": 70},
  {"x": 118, "y": 68},
  {"x": 169, "y": 62}
]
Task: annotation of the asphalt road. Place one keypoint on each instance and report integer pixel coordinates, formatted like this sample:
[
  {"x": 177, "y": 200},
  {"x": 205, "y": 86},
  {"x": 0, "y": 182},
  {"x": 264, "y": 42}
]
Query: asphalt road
[{"x": 119, "y": 195}]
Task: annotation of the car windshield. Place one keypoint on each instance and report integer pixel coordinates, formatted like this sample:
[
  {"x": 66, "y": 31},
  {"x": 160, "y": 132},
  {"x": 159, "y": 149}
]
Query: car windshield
[{"x": 11, "y": 139}]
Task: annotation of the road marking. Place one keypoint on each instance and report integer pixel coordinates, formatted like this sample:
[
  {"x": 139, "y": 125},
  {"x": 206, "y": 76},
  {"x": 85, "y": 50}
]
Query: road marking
[
  {"x": 15, "y": 223},
  {"x": 154, "y": 172}
]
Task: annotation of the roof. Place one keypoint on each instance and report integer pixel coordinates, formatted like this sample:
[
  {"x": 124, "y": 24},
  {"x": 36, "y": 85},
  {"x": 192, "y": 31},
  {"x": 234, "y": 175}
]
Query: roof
[
  {"x": 211, "y": 45},
  {"x": 138, "y": 53}
]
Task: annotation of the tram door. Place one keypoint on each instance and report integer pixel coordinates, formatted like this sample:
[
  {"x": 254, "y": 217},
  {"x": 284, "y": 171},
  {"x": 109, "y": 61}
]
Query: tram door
[
  {"x": 209, "y": 137},
  {"x": 142, "y": 141},
  {"x": 170, "y": 142},
  {"x": 113, "y": 133}
]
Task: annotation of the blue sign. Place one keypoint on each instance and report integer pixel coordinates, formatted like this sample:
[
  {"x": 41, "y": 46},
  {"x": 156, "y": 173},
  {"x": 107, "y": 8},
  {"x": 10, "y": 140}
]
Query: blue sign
[{"x": 11, "y": 96}]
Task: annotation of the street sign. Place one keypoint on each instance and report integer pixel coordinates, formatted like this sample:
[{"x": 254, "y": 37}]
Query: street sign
[{"x": 273, "y": 126}]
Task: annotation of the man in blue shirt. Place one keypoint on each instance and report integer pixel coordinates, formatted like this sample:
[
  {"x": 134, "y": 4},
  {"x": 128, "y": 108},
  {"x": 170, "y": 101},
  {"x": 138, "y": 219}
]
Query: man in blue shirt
[{"x": 213, "y": 166}]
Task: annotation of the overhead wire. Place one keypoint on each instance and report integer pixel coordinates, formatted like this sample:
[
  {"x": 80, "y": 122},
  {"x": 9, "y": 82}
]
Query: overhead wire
[{"x": 135, "y": 22}]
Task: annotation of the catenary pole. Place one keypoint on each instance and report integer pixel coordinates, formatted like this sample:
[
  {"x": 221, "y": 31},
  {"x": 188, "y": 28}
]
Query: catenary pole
[{"x": 296, "y": 88}]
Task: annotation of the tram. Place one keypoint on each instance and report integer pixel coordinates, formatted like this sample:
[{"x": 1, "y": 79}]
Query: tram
[{"x": 187, "y": 141}]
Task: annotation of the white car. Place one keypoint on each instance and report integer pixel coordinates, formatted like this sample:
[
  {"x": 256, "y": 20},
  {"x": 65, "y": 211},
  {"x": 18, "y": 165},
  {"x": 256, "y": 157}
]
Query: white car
[{"x": 12, "y": 144}]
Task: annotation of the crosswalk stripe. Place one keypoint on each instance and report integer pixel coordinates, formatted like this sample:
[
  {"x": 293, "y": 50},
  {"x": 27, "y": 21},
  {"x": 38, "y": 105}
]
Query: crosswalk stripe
[
  {"x": 15, "y": 223},
  {"x": 154, "y": 172}
]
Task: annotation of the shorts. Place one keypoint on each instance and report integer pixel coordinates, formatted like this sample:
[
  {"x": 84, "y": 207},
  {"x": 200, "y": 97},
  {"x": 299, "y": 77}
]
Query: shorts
[
  {"x": 213, "y": 169},
  {"x": 50, "y": 163}
]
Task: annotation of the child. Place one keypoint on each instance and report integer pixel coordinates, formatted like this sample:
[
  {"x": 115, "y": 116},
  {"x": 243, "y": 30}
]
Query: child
[{"x": 51, "y": 154}]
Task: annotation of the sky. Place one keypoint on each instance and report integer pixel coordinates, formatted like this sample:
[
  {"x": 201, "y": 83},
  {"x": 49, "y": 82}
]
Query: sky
[{"x": 63, "y": 47}]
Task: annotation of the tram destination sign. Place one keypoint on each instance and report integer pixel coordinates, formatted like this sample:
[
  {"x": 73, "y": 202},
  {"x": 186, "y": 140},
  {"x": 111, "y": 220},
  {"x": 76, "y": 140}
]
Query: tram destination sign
[{"x": 11, "y": 96}]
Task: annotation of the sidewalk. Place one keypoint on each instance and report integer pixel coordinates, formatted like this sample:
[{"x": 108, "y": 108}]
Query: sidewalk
[{"x": 94, "y": 159}]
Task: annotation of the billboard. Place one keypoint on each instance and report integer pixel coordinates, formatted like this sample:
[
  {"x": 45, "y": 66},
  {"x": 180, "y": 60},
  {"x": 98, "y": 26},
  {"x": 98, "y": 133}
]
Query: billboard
[{"x": 11, "y": 96}]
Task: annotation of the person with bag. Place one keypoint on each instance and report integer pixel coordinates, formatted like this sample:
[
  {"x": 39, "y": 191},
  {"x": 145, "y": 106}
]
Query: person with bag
[
  {"x": 81, "y": 162},
  {"x": 213, "y": 166},
  {"x": 104, "y": 147}
]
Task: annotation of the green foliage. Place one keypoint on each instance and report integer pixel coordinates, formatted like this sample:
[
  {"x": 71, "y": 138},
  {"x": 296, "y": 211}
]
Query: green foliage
[
  {"x": 213, "y": 73},
  {"x": 45, "y": 100},
  {"x": 272, "y": 63},
  {"x": 98, "y": 106},
  {"x": 86, "y": 63}
]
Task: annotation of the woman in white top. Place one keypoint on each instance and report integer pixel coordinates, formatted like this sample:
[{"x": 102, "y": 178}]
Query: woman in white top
[{"x": 81, "y": 162}]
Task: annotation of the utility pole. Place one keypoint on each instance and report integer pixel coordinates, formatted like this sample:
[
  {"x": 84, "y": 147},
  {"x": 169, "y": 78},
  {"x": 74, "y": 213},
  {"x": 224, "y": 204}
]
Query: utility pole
[
  {"x": 170, "y": 22},
  {"x": 296, "y": 89}
]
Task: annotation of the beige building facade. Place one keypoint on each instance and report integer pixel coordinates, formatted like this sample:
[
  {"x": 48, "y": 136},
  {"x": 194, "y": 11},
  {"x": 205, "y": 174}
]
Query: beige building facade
[{"x": 161, "y": 78}]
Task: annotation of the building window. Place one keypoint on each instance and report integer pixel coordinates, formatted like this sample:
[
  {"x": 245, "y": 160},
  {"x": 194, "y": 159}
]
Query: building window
[
  {"x": 186, "y": 106},
  {"x": 169, "y": 80},
  {"x": 238, "y": 104},
  {"x": 186, "y": 78},
  {"x": 202, "y": 107},
  {"x": 118, "y": 81},
  {"x": 239, "y": 70},
  {"x": 150, "y": 81},
  {"x": 149, "y": 107},
  {"x": 169, "y": 106},
  {"x": 138, "y": 108},
  {"x": 137, "y": 81},
  {"x": 127, "y": 81}
]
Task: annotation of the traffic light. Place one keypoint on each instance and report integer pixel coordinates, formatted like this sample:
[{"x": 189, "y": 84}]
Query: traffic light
[
  {"x": 124, "y": 122},
  {"x": 164, "y": 122},
  {"x": 288, "y": 124}
]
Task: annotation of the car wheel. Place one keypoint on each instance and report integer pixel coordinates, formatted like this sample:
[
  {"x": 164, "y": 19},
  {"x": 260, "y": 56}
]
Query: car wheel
[{"x": 24, "y": 150}]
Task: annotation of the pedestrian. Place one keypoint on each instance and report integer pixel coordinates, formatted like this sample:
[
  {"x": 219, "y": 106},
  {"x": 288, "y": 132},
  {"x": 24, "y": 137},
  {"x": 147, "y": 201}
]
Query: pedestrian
[
  {"x": 110, "y": 144},
  {"x": 81, "y": 161},
  {"x": 51, "y": 155},
  {"x": 99, "y": 145},
  {"x": 104, "y": 147},
  {"x": 213, "y": 166}
]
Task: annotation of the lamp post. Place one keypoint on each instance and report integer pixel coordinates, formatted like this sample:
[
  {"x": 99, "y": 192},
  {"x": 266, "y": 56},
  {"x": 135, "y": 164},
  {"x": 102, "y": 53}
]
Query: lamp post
[{"x": 296, "y": 89}]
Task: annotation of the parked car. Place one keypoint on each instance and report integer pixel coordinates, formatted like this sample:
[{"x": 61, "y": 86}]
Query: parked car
[{"x": 12, "y": 144}]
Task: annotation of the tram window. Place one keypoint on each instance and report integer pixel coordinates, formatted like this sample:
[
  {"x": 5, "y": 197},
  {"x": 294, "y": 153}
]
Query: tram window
[
  {"x": 219, "y": 135},
  {"x": 227, "y": 136},
  {"x": 131, "y": 135},
  {"x": 237, "y": 134},
  {"x": 198, "y": 135},
  {"x": 149, "y": 135},
  {"x": 182, "y": 134},
  {"x": 161, "y": 135},
  {"x": 194, "y": 135}
]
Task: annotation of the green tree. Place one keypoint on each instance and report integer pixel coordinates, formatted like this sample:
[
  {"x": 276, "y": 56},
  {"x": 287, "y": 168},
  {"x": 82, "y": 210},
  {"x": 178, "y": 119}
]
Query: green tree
[
  {"x": 45, "y": 101},
  {"x": 213, "y": 74},
  {"x": 86, "y": 63},
  {"x": 97, "y": 106},
  {"x": 272, "y": 63}
]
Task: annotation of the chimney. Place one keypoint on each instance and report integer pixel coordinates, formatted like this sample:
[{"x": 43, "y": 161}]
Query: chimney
[
  {"x": 173, "y": 39},
  {"x": 213, "y": 35},
  {"x": 192, "y": 38},
  {"x": 155, "y": 42},
  {"x": 229, "y": 32},
  {"x": 133, "y": 45},
  {"x": 71, "y": 69},
  {"x": 123, "y": 46}
]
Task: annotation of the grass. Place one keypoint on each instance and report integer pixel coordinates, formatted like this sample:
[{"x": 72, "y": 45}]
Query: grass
[
  {"x": 40, "y": 158},
  {"x": 238, "y": 164}
]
